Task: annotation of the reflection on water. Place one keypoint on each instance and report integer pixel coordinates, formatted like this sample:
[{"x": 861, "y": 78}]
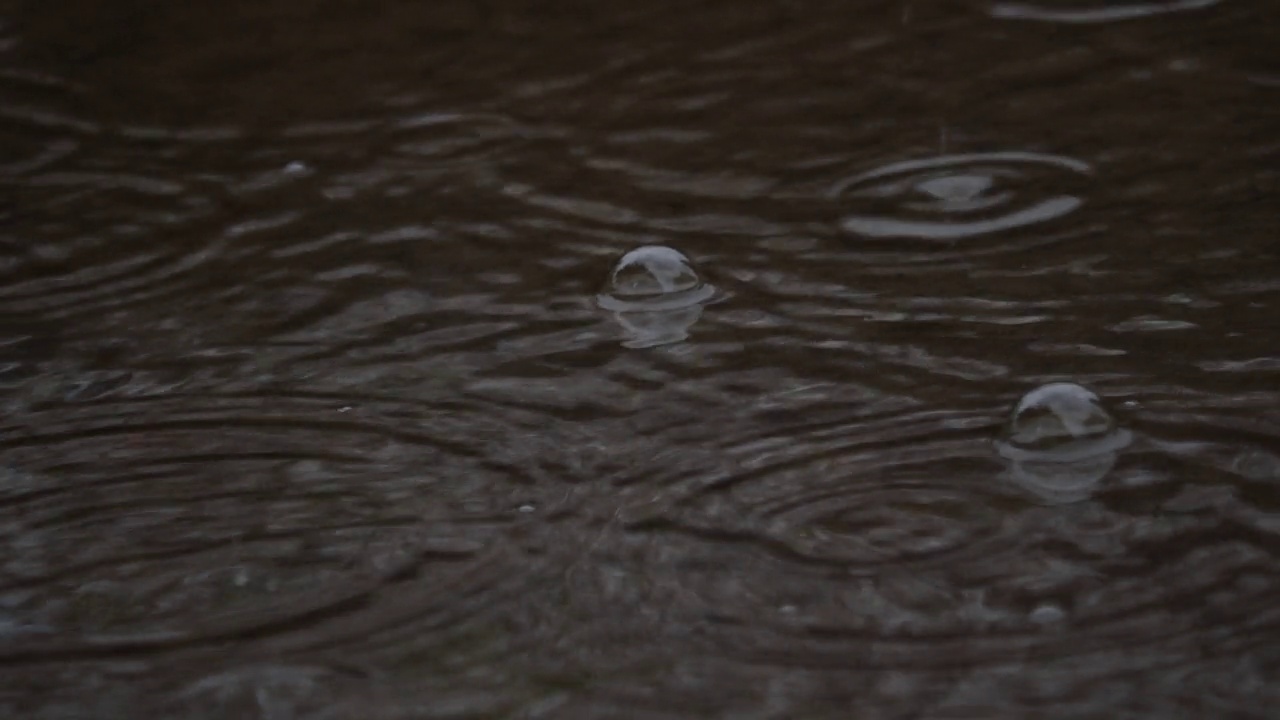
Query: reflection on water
[
  {"x": 314, "y": 404},
  {"x": 1092, "y": 11}
]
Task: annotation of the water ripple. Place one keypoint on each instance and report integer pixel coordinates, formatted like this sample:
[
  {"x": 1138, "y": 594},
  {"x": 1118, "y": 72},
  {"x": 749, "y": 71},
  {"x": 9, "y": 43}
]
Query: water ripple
[
  {"x": 805, "y": 498},
  {"x": 964, "y": 192},
  {"x": 1093, "y": 11},
  {"x": 167, "y": 524}
]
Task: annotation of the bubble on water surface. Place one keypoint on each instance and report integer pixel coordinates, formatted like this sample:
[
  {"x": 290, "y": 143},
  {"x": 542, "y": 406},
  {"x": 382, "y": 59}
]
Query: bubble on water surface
[
  {"x": 1055, "y": 413},
  {"x": 654, "y": 277},
  {"x": 1092, "y": 11},
  {"x": 656, "y": 294},
  {"x": 957, "y": 196},
  {"x": 1061, "y": 442}
]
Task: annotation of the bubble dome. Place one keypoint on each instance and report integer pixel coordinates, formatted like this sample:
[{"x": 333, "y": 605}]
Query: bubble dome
[
  {"x": 654, "y": 278},
  {"x": 1056, "y": 415}
]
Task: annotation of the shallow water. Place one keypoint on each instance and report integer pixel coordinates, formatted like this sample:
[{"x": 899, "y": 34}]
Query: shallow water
[{"x": 311, "y": 408}]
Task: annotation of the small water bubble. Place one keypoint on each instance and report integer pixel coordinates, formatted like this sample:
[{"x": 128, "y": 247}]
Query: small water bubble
[
  {"x": 1061, "y": 442},
  {"x": 296, "y": 168},
  {"x": 1048, "y": 615},
  {"x": 656, "y": 294},
  {"x": 526, "y": 508}
]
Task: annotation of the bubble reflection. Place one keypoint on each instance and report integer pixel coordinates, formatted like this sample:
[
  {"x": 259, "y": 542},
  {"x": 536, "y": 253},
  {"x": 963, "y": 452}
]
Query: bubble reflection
[
  {"x": 956, "y": 196},
  {"x": 656, "y": 295},
  {"x": 1060, "y": 442}
]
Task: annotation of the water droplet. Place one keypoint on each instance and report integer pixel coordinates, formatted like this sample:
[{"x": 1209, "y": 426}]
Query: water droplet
[
  {"x": 1097, "y": 11},
  {"x": 656, "y": 295},
  {"x": 955, "y": 196},
  {"x": 1061, "y": 442}
]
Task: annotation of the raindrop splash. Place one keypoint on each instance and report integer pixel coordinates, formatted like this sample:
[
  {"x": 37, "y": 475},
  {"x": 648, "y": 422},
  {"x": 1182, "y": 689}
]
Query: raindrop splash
[
  {"x": 950, "y": 197},
  {"x": 656, "y": 295}
]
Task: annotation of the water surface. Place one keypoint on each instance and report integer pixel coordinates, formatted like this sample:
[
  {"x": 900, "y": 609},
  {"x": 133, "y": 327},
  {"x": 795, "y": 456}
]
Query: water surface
[{"x": 311, "y": 408}]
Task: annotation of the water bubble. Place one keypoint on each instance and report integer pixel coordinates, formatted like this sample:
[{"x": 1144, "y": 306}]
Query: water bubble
[
  {"x": 1061, "y": 442},
  {"x": 1048, "y": 614},
  {"x": 654, "y": 277},
  {"x": 956, "y": 196},
  {"x": 656, "y": 295},
  {"x": 1092, "y": 11},
  {"x": 1058, "y": 412}
]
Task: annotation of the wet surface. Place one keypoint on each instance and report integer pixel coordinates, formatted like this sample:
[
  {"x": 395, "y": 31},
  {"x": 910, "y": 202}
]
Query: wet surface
[{"x": 450, "y": 360}]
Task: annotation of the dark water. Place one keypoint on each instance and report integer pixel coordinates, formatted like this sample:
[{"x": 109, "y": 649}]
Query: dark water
[{"x": 310, "y": 409}]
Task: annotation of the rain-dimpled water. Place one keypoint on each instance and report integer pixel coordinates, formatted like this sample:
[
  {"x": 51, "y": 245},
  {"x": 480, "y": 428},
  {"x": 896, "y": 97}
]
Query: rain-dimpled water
[{"x": 750, "y": 360}]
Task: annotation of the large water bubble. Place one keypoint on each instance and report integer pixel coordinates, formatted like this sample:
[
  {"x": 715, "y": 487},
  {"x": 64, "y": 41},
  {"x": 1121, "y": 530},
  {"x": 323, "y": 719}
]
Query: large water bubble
[
  {"x": 1057, "y": 414},
  {"x": 656, "y": 294},
  {"x": 654, "y": 277},
  {"x": 1061, "y": 442}
]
